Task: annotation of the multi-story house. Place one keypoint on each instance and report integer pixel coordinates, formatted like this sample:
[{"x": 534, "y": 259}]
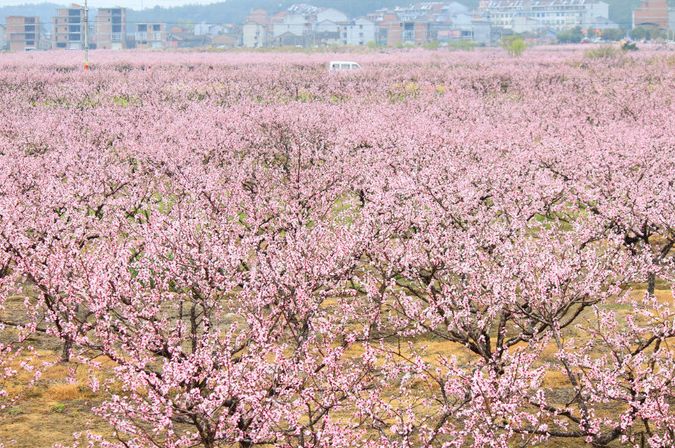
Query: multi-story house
[
  {"x": 461, "y": 27},
  {"x": 425, "y": 22},
  {"x": 111, "y": 28},
  {"x": 254, "y": 35},
  {"x": 651, "y": 13},
  {"x": 330, "y": 27},
  {"x": 306, "y": 26},
  {"x": 256, "y": 29},
  {"x": 535, "y": 15},
  {"x": 69, "y": 28},
  {"x": 359, "y": 32},
  {"x": 293, "y": 29},
  {"x": 23, "y": 33},
  {"x": 395, "y": 30},
  {"x": 150, "y": 35}
]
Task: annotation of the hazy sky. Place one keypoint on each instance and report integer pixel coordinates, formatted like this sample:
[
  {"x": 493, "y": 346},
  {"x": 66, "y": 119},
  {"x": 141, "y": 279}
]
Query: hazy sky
[{"x": 135, "y": 4}]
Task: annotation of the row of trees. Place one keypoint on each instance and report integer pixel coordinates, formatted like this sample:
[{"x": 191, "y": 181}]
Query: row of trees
[
  {"x": 577, "y": 34},
  {"x": 342, "y": 267}
]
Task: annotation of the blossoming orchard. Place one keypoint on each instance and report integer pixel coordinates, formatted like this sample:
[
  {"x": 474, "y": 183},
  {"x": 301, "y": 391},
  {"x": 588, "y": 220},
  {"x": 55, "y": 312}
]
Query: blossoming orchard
[{"x": 441, "y": 249}]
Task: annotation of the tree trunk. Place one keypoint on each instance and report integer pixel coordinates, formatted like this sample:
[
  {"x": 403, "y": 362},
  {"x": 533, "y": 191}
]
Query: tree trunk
[
  {"x": 67, "y": 346},
  {"x": 651, "y": 283}
]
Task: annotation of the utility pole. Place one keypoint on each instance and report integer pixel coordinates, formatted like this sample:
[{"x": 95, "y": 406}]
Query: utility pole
[{"x": 86, "y": 36}]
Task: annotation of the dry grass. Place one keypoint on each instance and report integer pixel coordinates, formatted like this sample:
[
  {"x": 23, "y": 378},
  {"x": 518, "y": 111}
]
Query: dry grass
[
  {"x": 61, "y": 402},
  {"x": 51, "y": 410}
]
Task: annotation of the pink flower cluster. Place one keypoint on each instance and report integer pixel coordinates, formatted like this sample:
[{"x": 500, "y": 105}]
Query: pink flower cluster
[{"x": 432, "y": 252}]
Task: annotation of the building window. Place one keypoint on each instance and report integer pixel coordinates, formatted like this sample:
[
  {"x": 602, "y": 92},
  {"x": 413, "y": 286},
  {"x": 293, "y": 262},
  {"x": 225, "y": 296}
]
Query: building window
[{"x": 156, "y": 27}]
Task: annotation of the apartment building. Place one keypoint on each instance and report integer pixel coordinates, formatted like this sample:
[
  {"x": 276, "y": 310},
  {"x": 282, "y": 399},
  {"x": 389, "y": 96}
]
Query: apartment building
[
  {"x": 111, "y": 28},
  {"x": 651, "y": 13},
  {"x": 68, "y": 28},
  {"x": 23, "y": 33},
  {"x": 533, "y": 15},
  {"x": 150, "y": 35}
]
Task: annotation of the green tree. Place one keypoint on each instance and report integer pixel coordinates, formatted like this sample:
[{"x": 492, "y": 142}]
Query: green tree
[
  {"x": 514, "y": 45},
  {"x": 570, "y": 36},
  {"x": 613, "y": 34},
  {"x": 647, "y": 33}
]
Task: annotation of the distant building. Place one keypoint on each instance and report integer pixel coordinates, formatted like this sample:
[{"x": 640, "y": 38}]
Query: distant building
[
  {"x": 533, "y": 15},
  {"x": 294, "y": 29},
  {"x": 68, "y": 28},
  {"x": 225, "y": 41},
  {"x": 150, "y": 35},
  {"x": 395, "y": 32},
  {"x": 256, "y": 31},
  {"x": 330, "y": 14},
  {"x": 254, "y": 35},
  {"x": 3, "y": 38},
  {"x": 651, "y": 13},
  {"x": 179, "y": 37},
  {"x": 359, "y": 32},
  {"x": 111, "y": 28},
  {"x": 462, "y": 27},
  {"x": 208, "y": 29},
  {"x": 328, "y": 32},
  {"x": 23, "y": 33},
  {"x": 303, "y": 25},
  {"x": 425, "y": 22}
]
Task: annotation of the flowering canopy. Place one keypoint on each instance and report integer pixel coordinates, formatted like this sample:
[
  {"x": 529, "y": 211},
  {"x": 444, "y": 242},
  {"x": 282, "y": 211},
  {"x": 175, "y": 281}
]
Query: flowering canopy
[{"x": 434, "y": 254}]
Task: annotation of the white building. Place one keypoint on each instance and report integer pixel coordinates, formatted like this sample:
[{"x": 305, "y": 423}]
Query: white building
[
  {"x": 254, "y": 35},
  {"x": 208, "y": 29},
  {"x": 306, "y": 26},
  {"x": 358, "y": 32},
  {"x": 332, "y": 15},
  {"x": 3, "y": 38},
  {"x": 534, "y": 15},
  {"x": 294, "y": 24}
]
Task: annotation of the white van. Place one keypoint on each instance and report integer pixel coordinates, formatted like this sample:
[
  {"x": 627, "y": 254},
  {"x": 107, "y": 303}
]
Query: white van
[{"x": 335, "y": 66}]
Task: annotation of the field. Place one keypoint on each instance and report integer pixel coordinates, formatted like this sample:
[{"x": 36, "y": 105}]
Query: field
[{"x": 442, "y": 249}]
